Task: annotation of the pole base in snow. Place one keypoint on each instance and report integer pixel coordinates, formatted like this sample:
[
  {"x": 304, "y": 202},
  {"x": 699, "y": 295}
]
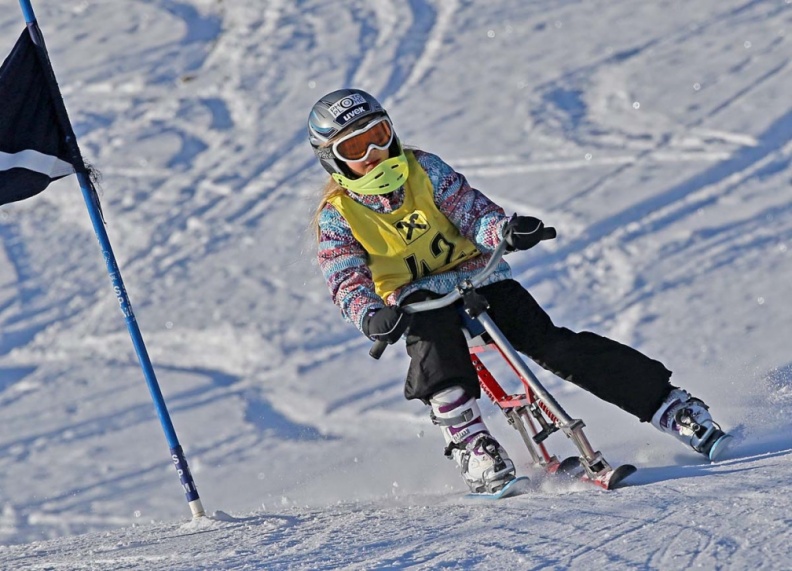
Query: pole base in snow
[{"x": 197, "y": 509}]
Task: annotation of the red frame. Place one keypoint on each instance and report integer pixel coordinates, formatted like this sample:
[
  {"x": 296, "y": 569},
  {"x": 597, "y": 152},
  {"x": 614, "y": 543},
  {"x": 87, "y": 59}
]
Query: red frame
[{"x": 506, "y": 401}]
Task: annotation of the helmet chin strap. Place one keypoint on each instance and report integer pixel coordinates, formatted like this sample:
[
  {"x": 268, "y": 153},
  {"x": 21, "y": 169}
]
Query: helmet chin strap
[{"x": 387, "y": 176}]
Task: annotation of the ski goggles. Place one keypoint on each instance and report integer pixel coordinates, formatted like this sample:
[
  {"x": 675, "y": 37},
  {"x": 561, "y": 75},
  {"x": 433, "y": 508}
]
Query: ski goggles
[{"x": 357, "y": 145}]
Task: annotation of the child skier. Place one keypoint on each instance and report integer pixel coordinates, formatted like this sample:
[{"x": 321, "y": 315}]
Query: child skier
[{"x": 396, "y": 226}]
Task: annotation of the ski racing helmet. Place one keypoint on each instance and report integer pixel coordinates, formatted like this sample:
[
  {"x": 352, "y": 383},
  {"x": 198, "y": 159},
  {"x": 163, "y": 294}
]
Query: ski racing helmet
[{"x": 331, "y": 116}]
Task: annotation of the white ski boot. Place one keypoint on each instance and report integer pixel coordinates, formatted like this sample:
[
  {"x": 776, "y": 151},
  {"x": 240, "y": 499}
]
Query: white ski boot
[
  {"x": 688, "y": 419},
  {"x": 484, "y": 464}
]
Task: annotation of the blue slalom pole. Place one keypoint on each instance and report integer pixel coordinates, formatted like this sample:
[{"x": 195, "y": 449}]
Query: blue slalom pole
[{"x": 94, "y": 210}]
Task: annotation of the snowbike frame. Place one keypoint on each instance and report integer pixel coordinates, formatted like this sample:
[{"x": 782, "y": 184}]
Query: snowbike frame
[{"x": 535, "y": 414}]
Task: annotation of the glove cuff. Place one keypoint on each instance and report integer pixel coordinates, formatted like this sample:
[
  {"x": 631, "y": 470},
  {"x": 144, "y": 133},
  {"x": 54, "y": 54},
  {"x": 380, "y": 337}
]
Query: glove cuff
[{"x": 366, "y": 320}]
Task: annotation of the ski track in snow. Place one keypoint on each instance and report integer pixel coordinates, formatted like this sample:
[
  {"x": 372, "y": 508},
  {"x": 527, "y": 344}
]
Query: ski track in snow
[
  {"x": 656, "y": 141},
  {"x": 660, "y": 526}
]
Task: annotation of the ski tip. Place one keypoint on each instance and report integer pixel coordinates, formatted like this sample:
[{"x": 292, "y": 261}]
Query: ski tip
[
  {"x": 720, "y": 447},
  {"x": 607, "y": 479},
  {"x": 615, "y": 477},
  {"x": 514, "y": 488}
]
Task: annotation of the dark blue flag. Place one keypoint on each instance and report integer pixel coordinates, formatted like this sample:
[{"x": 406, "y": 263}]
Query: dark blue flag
[{"x": 34, "y": 149}]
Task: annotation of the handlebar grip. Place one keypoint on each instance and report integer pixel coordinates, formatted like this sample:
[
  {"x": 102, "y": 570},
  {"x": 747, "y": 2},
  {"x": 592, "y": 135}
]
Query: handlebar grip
[
  {"x": 377, "y": 349},
  {"x": 549, "y": 233}
]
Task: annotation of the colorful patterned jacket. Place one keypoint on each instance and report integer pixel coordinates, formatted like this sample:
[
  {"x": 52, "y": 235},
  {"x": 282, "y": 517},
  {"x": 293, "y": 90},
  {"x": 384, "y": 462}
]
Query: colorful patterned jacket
[{"x": 343, "y": 260}]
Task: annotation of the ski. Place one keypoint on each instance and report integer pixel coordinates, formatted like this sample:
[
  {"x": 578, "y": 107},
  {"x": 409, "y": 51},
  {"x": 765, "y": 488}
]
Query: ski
[
  {"x": 613, "y": 477},
  {"x": 722, "y": 442},
  {"x": 607, "y": 479},
  {"x": 516, "y": 487}
]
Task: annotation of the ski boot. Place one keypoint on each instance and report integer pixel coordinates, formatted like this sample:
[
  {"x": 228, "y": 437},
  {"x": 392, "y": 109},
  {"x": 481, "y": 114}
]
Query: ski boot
[
  {"x": 484, "y": 464},
  {"x": 688, "y": 419}
]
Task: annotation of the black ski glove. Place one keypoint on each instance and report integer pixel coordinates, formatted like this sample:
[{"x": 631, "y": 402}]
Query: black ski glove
[
  {"x": 522, "y": 232},
  {"x": 386, "y": 324}
]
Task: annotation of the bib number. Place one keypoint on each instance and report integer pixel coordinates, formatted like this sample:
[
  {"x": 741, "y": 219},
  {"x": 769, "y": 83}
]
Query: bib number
[{"x": 439, "y": 246}]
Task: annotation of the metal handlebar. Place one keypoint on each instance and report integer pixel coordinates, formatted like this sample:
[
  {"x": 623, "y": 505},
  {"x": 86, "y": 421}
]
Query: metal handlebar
[{"x": 378, "y": 348}]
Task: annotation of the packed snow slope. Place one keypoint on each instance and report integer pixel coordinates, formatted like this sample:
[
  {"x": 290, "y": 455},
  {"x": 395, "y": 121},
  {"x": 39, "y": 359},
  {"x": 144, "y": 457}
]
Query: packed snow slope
[{"x": 655, "y": 136}]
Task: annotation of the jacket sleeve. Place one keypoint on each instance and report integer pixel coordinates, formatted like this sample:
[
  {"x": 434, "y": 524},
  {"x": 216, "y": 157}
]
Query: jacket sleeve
[
  {"x": 478, "y": 218},
  {"x": 343, "y": 263}
]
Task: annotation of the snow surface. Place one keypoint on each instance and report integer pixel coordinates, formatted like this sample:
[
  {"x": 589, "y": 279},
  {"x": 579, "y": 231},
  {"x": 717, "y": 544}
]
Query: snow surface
[{"x": 657, "y": 138}]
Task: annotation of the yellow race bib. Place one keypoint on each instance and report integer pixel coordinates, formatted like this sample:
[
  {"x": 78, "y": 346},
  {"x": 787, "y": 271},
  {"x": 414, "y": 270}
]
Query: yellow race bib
[{"x": 411, "y": 242}]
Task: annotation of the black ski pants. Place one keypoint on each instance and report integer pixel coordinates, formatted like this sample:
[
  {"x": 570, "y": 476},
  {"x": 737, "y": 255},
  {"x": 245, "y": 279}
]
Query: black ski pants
[{"x": 610, "y": 370}]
